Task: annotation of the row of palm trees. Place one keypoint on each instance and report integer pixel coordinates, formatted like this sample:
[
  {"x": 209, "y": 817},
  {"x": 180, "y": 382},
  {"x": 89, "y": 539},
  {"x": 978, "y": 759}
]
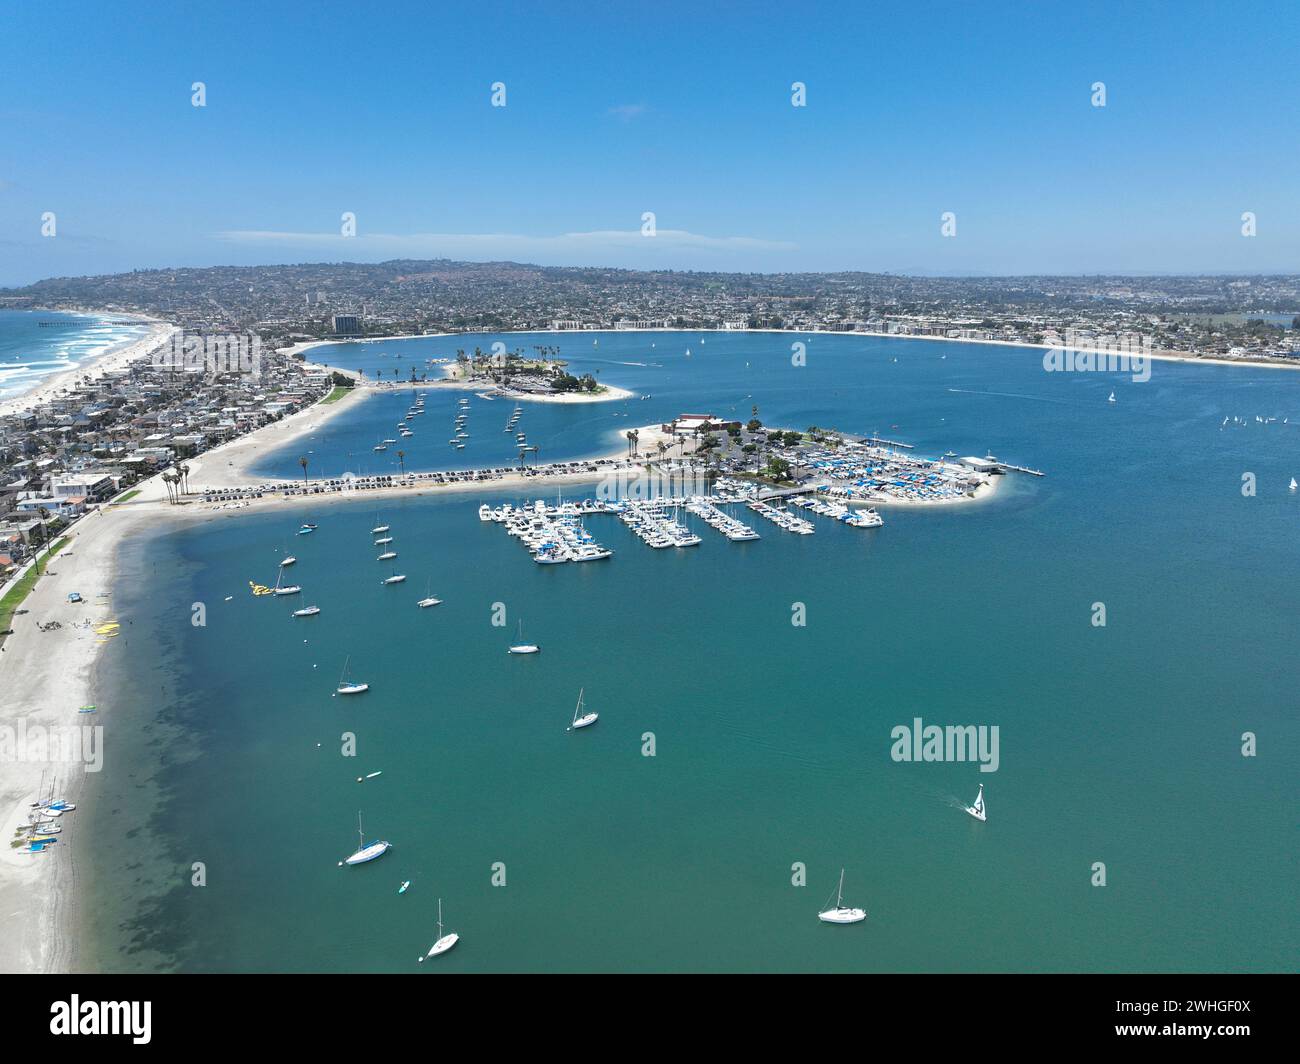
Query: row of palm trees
[{"x": 177, "y": 482}]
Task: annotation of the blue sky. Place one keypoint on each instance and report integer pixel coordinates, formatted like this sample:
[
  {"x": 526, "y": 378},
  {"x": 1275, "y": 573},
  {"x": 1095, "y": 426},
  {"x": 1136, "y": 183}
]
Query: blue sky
[{"x": 681, "y": 109}]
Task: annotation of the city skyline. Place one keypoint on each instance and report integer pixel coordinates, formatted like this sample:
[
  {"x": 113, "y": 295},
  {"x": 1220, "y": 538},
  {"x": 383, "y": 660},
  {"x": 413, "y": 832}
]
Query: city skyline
[{"x": 988, "y": 115}]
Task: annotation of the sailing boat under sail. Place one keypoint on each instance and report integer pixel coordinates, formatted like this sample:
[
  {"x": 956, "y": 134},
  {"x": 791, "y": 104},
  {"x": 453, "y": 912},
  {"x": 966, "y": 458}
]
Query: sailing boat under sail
[
  {"x": 365, "y": 853},
  {"x": 444, "y": 942},
  {"x": 580, "y": 719},
  {"x": 840, "y": 913},
  {"x": 977, "y": 810}
]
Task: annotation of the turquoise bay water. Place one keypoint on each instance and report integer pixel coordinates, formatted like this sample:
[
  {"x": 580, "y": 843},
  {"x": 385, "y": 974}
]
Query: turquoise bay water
[
  {"x": 35, "y": 344},
  {"x": 1118, "y": 744}
]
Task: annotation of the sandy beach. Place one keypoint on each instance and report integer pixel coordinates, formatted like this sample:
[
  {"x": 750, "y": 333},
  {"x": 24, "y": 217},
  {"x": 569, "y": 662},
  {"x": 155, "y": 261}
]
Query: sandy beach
[
  {"x": 47, "y": 676},
  {"x": 110, "y": 361}
]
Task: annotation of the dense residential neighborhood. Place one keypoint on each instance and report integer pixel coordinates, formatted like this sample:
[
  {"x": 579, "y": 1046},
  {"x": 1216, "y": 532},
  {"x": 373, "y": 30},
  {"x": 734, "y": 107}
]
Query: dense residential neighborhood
[
  {"x": 1224, "y": 316},
  {"x": 106, "y": 432}
]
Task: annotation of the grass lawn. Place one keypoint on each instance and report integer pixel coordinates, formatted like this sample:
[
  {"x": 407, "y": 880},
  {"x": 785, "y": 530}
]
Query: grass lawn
[
  {"x": 127, "y": 496},
  {"x": 334, "y": 396},
  {"x": 13, "y": 598}
]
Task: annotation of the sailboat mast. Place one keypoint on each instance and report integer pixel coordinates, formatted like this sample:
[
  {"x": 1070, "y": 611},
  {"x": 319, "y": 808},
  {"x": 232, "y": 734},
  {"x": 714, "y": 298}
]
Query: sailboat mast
[
  {"x": 440, "y": 919},
  {"x": 839, "y": 897}
]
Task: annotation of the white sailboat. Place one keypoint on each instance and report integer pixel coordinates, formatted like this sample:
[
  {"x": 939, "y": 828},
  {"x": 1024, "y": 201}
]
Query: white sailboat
[
  {"x": 1112, "y": 398},
  {"x": 365, "y": 853},
  {"x": 346, "y": 686},
  {"x": 291, "y": 589},
  {"x": 977, "y": 810},
  {"x": 428, "y": 599},
  {"x": 444, "y": 942},
  {"x": 307, "y": 611},
  {"x": 396, "y": 578},
  {"x": 521, "y": 647},
  {"x": 840, "y": 913},
  {"x": 580, "y": 719},
  {"x": 290, "y": 560},
  {"x": 1293, "y": 485}
]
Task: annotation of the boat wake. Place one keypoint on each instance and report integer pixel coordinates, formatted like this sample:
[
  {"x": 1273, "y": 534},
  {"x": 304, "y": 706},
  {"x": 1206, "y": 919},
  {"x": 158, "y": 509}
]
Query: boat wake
[{"x": 1011, "y": 395}]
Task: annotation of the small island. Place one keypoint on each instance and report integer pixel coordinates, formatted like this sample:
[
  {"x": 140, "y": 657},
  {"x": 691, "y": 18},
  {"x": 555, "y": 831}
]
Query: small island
[{"x": 518, "y": 375}]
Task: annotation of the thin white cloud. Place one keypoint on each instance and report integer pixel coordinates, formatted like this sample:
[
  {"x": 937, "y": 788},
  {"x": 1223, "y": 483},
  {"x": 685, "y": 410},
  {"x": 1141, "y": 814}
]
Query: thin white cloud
[{"x": 628, "y": 111}]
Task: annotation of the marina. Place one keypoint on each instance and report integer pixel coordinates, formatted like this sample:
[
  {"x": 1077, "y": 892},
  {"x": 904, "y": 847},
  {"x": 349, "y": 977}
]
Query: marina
[{"x": 557, "y": 533}]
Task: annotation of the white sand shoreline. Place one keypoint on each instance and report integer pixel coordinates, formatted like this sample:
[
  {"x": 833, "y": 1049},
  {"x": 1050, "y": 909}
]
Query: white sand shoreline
[
  {"x": 47, "y": 677},
  {"x": 110, "y": 360},
  {"x": 1160, "y": 356}
]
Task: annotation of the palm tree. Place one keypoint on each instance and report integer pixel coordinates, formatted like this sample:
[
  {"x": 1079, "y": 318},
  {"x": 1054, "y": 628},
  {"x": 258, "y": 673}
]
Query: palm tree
[
  {"x": 302, "y": 461},
  {"x": 631, "y": 438},
  {"x": 401, "y": 461},
  {"x": 185, "y": 477}
]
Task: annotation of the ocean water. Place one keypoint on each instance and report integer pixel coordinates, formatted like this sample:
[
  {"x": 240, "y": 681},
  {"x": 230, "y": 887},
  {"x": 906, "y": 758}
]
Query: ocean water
[
  {"x": 36, "y": 344},
  {"x": 1119, "y": 745}
]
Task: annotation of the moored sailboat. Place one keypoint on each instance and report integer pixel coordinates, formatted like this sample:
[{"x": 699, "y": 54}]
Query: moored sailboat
[
  {"x": 443, "y": 942},
  {"x": 521, "y": 647},
  {"x": 580, "y": 719},
  {"x": 349, "y": 687},
  {"x": 279, "y": 589},
  {"x": 840, "y": 913},
  {"x": 365, "y": 853}
]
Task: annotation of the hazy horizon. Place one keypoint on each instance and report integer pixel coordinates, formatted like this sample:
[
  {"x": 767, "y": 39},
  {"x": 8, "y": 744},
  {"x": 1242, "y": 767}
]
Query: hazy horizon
[{"x": 306, "y": 264}]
